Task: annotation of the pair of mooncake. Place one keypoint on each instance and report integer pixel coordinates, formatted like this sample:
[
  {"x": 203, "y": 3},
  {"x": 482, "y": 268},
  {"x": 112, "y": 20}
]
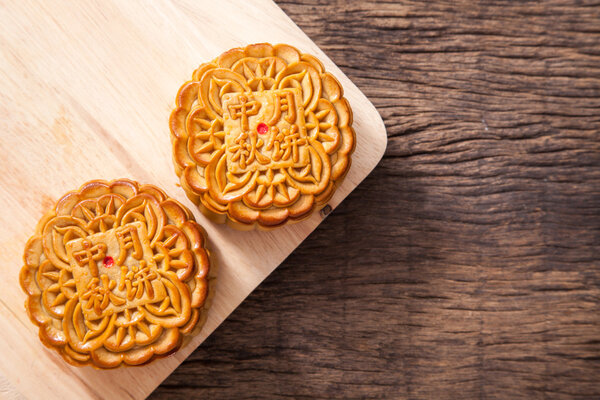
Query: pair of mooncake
[{"x": 118, "y": 272}]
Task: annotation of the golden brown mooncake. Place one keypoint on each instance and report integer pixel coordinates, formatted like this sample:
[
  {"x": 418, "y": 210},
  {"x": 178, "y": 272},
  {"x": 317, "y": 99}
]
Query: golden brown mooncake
[
  {"x": 261, "y": 135},
  {"x": 116, "y": 273}
]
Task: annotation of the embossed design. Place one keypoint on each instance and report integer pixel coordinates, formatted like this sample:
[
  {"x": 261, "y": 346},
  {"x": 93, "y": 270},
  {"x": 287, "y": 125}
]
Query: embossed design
[
  {"x": 89, "y": 255},
  {"x": 128, "y": 239},
  {"x": 284, "y": 103},
  {"x": 137, "y": 280},
  {"x": 99, "y": 295},
  {"x": 285, "y": 136},
  {"x": 285, "y": 143},
  {"x": 128, "y": 310},
  {"x": 243, "y": 110},
  {"x": 244, "y": 150}
]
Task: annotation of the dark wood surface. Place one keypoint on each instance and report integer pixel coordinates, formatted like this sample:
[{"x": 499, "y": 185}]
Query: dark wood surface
[{"x": 467, "y": 265}]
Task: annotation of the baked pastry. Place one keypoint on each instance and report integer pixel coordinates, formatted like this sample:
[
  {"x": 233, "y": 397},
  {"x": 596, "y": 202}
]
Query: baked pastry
[
  {"x": 261, "y": 135},
  {"x": 116, "y": 273}
]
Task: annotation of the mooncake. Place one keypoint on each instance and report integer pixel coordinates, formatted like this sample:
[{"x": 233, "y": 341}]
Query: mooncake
[
  {"x": 117, "y": 273},
  {"x": 261, "y": 136}
]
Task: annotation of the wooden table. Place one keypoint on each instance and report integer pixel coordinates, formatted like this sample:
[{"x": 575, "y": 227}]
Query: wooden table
[{"x": 468, "y": 264}]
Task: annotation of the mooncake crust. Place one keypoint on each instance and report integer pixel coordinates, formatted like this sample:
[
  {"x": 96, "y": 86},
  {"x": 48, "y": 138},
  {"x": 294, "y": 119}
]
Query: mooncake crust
[
  {"x": 261, "y": 136},
  {"x": 117, "y": 273}
]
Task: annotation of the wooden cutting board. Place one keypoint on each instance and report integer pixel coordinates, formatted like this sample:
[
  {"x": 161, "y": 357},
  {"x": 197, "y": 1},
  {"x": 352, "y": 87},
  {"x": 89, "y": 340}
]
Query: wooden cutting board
[{"x": 86, "y": 90}]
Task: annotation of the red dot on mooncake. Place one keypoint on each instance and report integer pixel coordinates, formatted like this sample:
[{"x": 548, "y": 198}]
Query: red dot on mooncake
[
  {"x": 108, "y": 261},
  {"x": 262, "y": 128}
]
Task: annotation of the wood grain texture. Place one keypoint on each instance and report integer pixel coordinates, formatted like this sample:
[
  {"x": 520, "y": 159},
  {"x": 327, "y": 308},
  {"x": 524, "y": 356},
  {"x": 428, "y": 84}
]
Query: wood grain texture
[
  {"x": 468, "y": 264},
  {"x": 86, "y": 93}
]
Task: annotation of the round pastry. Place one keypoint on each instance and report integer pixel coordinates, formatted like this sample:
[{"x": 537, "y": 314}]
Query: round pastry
[
  {"x": 261, "y": 135},
  {"x": 116, "y": 273}
]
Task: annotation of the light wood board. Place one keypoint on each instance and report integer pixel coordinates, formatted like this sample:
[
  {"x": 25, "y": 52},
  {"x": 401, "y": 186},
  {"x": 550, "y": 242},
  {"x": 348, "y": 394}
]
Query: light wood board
[{"x": 86, "y": 90}]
